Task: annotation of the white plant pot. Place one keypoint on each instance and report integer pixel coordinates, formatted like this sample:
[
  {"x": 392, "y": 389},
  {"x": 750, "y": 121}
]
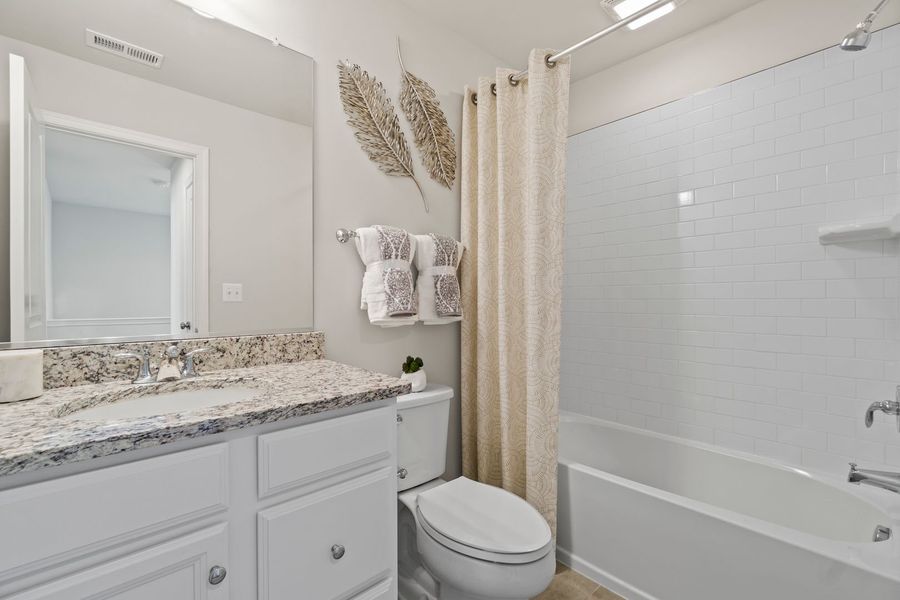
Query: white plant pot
[{"x": 417, "y": 380}]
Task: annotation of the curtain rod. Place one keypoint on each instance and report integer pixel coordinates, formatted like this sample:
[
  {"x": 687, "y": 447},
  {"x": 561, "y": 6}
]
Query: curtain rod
[
  {"x": 600, "y": 34},
  {"x": 551, "y": 59}
]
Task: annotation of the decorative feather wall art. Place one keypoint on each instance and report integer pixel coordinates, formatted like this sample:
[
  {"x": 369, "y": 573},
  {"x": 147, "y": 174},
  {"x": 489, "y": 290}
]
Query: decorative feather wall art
[
  {"x": 371, "y": 113},
  {"x": 431, "y": 132}
]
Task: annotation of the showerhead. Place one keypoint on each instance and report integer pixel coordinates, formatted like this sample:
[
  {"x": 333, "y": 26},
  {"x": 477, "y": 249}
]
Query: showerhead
[{"x": 858, "y": 39}]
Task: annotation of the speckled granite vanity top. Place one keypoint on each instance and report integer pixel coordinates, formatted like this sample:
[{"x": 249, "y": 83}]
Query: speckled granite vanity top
[{"x": 35, "y": 433}]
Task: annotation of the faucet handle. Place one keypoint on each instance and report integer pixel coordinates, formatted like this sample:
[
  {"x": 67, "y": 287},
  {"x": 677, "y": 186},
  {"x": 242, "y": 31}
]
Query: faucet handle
[
  {"x": 897, "y": 406},
  {"x": 894, "y": 407},
  {"x": 889, "y": 407},
  {"x": 143, "y": 375},
  {"x": 189, "y": 369},
  {"x": 144, "y": 354}
]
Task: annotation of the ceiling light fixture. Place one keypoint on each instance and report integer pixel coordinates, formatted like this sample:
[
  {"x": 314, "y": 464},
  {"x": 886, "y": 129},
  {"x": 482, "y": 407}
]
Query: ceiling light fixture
[
  {"x": 620, "y": 9},
  {"x": 205, "y": 15}
]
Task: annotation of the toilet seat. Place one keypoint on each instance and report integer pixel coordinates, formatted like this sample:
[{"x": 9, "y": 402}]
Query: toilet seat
[{"x": 483, "y": 522}]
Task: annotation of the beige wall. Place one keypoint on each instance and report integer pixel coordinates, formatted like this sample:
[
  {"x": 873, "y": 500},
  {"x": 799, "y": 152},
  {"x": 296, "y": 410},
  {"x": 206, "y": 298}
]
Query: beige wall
[
  {"x": 350, "y": 191},
  {"x": 762, "y": 36}
]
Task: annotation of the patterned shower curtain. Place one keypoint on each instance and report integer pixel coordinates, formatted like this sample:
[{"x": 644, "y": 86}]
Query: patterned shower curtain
[{"x": 513, "y": 208}]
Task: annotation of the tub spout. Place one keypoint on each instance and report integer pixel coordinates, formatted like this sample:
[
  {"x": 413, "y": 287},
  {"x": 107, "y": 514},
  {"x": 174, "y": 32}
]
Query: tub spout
[{"x": 885, "y": 480}]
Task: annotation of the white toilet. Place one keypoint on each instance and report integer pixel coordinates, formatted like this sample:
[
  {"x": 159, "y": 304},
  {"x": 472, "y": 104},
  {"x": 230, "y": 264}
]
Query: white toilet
[{"x": 460, "y": 539}]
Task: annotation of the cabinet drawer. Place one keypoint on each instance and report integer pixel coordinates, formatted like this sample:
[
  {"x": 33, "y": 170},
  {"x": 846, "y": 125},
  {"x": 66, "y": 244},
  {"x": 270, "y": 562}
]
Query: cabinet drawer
[
  {"x": 300, "y": 541},
  {"x": 54, "y": 521},
  {"x": 176, "y": 570},
  {"x": 296, "y": 457}
]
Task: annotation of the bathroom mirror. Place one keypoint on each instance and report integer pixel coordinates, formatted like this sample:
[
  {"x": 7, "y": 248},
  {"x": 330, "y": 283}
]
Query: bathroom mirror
[{"x": 158, "y": 168}]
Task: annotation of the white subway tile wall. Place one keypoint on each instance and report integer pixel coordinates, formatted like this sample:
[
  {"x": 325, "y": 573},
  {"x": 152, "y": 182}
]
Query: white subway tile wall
[{"x": 698, "y": 301}]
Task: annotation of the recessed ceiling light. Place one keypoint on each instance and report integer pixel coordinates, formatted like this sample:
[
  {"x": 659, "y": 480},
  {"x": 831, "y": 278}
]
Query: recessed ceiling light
[
  {"x": 205, "y": 15},
  {"x": 621, "y": 9}
]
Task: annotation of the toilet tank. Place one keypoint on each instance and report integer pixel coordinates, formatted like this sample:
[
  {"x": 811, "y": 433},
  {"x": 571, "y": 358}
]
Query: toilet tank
[{"x": 422, "y": 421}]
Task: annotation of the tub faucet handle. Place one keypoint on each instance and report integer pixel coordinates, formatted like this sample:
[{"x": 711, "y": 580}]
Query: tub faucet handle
[{"x": 889, "y": 407}]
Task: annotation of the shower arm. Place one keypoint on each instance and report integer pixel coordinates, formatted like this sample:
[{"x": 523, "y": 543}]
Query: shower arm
[{"x": 873, "y": 14}]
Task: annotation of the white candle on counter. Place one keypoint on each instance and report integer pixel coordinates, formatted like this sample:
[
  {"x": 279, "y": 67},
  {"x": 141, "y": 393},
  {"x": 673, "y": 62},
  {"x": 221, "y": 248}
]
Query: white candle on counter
[{"x": 21, "y": 375}]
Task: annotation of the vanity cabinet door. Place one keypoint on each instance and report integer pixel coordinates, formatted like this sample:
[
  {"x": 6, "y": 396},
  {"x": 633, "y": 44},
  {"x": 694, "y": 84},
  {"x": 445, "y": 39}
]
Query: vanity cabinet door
[
  {"x": 176, "y": 570},
  {"x": 335, "y": 543}
]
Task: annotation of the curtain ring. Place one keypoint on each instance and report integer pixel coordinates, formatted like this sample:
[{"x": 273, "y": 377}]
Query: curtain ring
[
  {"x": 512, "y": 80},
  {"x": 474, "y": 98},
  {"x": 494, "y": 89},
  {"x": 550, "y": 63}
]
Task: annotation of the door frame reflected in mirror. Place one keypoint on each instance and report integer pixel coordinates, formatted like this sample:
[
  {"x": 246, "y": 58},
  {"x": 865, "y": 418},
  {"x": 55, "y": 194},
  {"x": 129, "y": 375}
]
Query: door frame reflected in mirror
[{"x": 198, "y": 155}]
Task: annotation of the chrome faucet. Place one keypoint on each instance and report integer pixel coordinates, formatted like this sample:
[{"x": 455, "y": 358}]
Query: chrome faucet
[
  {"x": 891, "y": 407},
  {"x": 885, "y": 480},
  {"x": 169, "y": 369}
]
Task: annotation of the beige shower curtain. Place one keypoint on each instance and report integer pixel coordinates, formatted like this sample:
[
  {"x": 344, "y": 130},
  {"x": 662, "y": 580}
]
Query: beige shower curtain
[{"x": 513, "y": 206}]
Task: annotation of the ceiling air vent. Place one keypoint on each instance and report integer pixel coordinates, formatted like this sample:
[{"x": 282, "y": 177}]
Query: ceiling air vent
[{"x": 118, "y": 47}]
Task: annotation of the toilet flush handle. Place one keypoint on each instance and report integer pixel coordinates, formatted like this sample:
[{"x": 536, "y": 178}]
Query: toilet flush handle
[{"x": 402, "y": 473}]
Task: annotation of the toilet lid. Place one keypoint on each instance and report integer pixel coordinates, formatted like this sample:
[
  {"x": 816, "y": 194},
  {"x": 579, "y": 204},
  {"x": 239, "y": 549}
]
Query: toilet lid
[{"x": 484, "y": 517}]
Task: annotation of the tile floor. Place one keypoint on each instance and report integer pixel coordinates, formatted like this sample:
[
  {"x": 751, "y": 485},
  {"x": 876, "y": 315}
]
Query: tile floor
[{"x": 569, "y": 585}]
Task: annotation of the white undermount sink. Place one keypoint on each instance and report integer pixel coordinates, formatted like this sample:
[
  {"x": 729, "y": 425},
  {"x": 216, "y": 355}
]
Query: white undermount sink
[{"x": 153, "y": 404}]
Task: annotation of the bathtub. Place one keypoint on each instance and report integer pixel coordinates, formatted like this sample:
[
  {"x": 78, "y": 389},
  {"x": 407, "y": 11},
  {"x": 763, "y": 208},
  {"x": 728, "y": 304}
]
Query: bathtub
[{"x": 656, "y": 517}]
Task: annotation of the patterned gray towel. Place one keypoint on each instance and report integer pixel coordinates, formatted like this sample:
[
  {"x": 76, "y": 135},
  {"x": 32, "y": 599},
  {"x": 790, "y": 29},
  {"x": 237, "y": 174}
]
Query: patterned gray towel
[{"x": 437, "y": 259}]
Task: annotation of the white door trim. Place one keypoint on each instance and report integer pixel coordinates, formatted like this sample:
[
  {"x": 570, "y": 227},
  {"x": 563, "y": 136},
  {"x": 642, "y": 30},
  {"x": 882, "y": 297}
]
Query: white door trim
[
  {"x": 200, "y": 157},
  {"x": 17, "y": 162}
]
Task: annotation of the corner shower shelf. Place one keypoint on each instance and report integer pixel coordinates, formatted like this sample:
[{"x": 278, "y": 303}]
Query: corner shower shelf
[{"x": 878, "y": 228}]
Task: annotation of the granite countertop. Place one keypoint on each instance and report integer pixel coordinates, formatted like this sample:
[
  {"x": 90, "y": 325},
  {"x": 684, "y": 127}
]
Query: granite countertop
[{"x": 34, "y": 434}]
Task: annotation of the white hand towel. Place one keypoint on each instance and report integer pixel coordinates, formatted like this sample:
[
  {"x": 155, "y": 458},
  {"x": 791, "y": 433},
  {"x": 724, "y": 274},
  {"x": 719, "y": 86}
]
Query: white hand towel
[
  {"x": 388, "y": 292},
  {"x": 437, "y": 258}
]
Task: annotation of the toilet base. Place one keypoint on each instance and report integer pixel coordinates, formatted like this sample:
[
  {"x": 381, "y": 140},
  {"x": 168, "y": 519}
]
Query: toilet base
[
  {"x": 414, "y": 582},
  {"x": 409, "y": 589},
  {"x": 448, "y": 593}
]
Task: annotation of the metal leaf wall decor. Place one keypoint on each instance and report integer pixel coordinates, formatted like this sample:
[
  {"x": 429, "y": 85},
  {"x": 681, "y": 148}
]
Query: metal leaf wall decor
[
  {"x": 371, "y": 113},
  {"x": 431, "y": 132}
]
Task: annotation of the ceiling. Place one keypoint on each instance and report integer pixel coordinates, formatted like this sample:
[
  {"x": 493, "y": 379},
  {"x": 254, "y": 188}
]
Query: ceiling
[
  {"x": 92, "y": 172},
  {"x": 509, "y": 29},
  {"x": 202, "y": 56}
]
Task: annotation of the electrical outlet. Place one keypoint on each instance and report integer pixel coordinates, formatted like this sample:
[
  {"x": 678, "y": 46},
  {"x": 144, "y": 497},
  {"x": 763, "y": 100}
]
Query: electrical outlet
[{"x": 232, "y": 292}]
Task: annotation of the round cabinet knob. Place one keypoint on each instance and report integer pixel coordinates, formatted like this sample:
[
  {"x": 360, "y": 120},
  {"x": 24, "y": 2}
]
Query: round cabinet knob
[
  {"x": 337, "y": 552},
  {"x": 402, "y": 473},
  {"x": 217, "y": 575}
]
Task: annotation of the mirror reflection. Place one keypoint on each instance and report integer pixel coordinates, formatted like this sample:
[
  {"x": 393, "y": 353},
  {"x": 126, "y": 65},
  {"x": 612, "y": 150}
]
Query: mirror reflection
[
  {"x": 160, "y": 174},
  {"x": 127, "y": 208}
]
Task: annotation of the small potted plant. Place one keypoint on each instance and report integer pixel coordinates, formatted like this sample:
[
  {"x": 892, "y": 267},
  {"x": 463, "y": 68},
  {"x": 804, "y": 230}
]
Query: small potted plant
[{"x": 414, "y": 373}]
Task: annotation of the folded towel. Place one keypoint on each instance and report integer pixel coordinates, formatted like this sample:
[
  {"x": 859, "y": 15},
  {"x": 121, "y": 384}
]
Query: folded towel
[
  {"x": 388, "y": 290},
  {"x": 437, "y": 259}
]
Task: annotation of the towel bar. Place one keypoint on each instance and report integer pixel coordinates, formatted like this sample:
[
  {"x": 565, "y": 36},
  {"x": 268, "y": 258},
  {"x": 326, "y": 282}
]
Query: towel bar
[{"x": 344, "y": 235}]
